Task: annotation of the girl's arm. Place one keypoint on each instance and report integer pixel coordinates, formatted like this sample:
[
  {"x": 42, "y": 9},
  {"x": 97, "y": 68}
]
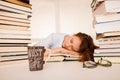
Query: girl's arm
[{"x": 59, "y": 50}]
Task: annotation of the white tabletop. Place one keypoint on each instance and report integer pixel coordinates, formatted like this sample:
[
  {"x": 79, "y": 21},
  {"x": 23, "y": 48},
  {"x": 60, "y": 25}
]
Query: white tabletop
[{"x": 58, "y": 71}]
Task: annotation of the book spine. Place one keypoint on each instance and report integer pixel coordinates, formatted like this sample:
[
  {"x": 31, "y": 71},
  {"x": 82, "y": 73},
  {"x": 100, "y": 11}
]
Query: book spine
[
  {"x": 14, "y": 22},
  {"x": 11, "y": 5},
  {"x": 15, "y": 40},
  {"x": 15, "y": 10},
  {"x": 12, "y": 49},
  {"x": 11, "y": 14}
]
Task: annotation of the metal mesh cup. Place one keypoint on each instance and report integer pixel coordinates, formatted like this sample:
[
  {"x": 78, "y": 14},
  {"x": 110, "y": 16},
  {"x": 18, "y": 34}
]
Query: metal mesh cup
[{"x": 36, "y": 57}]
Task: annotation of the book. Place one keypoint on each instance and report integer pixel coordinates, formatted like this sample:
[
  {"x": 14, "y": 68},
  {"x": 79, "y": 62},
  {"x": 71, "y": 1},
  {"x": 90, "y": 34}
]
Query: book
[
  {"x": 6, "y": 8},
  {"x": 59, "y": 57},
  {"x": 12, "y": 49},
  {"x": 12, "y": 27},
  {"x": 14, "y": 15},
  {"x": 13, "y": 44},
  {"x": 11, "y": 22},
  {"x": 15, "y": 6},
  {"x": 107, "y": 54},
  {"x": 14, "y": 19},
  {"x": 13, "y": 58},
  {"x": 109, "y": 40},
  {"x": 13, "y": 54},
  {"x": 107, "y": 50},
  {"x": 111, "y": 33},
  {"x": 107, "y": 26},
  {"x": 19, "y": 32},
  {"x": 110, "y": 45},
  {"x": 14, "y": 36},
  {"x": 95, "y": 4},
  {"x": 107, "y": 17},
  {"x": 106, "y": 35},
  {"x": 105, "y": 7},
  {"x": 4, "y": 40},
  {"x": 112, "y": 5},
  {"x": 20, "y": 2}
]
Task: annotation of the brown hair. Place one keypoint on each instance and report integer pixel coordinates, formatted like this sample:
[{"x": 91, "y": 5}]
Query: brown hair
[{"x": 87, "y": 47}]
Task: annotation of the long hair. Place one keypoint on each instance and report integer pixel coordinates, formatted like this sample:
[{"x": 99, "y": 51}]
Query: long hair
[{"x": 87, "y": 47}]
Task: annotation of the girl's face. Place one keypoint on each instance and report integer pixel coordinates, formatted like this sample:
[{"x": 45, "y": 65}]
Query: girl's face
[{"x": 72, "y": 43}]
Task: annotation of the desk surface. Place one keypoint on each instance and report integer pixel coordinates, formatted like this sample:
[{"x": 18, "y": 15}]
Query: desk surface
[{"x": 58, "y": 71}]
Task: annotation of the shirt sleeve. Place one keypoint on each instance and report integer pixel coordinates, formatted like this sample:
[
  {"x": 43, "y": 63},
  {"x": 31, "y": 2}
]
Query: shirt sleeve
[{"x": 47, "y": 42}]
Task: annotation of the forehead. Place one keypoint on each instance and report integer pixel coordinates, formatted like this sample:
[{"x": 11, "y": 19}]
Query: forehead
[{"x": 76, "y": 43}]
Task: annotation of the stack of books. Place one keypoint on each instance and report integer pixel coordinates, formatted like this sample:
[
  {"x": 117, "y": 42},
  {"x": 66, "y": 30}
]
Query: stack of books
[
  {"x": 106, "y": 21},
  {"x": 14, "y": 29}
]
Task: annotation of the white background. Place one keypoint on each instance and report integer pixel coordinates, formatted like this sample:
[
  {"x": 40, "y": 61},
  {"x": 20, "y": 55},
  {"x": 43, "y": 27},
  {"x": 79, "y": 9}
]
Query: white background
[{"x": 62, "y": 16}]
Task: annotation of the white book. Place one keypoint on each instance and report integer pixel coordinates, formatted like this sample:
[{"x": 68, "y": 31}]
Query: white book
[
  {"x": 14, "y": 36},
  {"x": 14, "y": 10},
  {"x": 15, "y": 19},
  {"x": 110, "y": 54},
  {"x": 107, "y": 50},
  {"x": 108, "y": 6},
  {"x": 112, "y": 5},
  {"x": 10, "y": 22},
  {"x": 110, "y": 45},
  {"x": 109, "y": 40},
  {"x": 107, "y": 26},
  {"x": 20, "y": 32},
  {"x": 12, "y": 49},
  {"x": 15, "y": 58},
  {"x": 11, "y": 14},
  {"x": 15, "y": 40},
  {"x": 112, "y": 33},
  {"x": 12, "y": 27},
  {"x": 107, "y": 17},
  {"x": 8, "y": 54}
]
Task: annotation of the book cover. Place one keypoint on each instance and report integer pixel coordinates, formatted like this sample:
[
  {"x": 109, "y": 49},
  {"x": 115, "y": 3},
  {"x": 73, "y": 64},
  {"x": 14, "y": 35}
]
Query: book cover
[
  {"x": 107, "y": 17},
  {"x": 101, "y": 9},
  {"x": 14, "y": 54},
  {"x": 110, "y": 45},
  {"x": 59, "y": 57},
  {"x": 13, "y": 58},
  {"x": 14, "y": 19},
  {"x": 109, "y": 40},
  {"x": 21, "y": 2},
  {"x": 13, "y": 44},
  {"x": 5, "y": 40},
  {"x": 107, "y": 54},
  {"x": 6, "y": 8},
  {"x": 107, "y": 50},
  {"x": 12, "y": 27},
  {"x": 11, "y": 14},
  {"x": 14, "y": 36},
  {"x": 15, "y": 6},
  {"x": 107, "y": 26},
  {"x": 19, "y": 32},
  {"x": 111, "y": 34},
  {"x": 106, "y": 35},
  {"x": 18, "y": 23},
  {"x": 12, "y": 49}
]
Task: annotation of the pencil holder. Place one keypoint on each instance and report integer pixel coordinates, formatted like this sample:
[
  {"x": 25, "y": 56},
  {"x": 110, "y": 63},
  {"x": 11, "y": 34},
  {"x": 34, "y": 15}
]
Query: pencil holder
[{"x": 36, "y": 57}]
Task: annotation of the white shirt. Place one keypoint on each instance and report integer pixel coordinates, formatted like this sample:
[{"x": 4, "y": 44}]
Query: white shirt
[{"x": 54, "y": 40}]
